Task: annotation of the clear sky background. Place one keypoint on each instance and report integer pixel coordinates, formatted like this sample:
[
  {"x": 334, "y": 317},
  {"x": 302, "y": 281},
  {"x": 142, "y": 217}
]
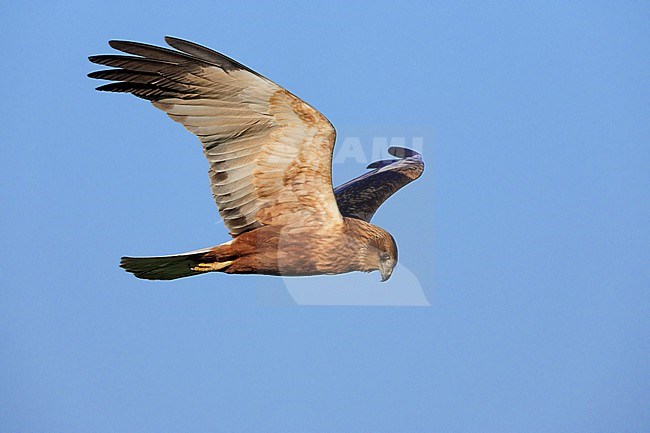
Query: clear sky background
[{"x": 528, "y": 233}]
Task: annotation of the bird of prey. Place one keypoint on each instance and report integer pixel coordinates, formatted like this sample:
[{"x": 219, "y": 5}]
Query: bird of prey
[{"x": 270, "y": 157}]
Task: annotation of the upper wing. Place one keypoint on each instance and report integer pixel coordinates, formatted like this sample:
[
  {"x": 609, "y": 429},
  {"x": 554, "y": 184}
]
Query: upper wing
[
  {"x": 270, "y": 153},
  {"x": 361, "y": 197}
]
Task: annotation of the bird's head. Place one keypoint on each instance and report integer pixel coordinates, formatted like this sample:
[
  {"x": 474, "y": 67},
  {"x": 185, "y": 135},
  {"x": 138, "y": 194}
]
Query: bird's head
[{"x": 381, "y": 254}]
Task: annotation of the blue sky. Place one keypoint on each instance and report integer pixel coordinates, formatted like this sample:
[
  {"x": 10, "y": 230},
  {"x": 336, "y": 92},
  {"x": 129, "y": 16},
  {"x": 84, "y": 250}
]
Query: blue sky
[{"x": 527, "y": 235}]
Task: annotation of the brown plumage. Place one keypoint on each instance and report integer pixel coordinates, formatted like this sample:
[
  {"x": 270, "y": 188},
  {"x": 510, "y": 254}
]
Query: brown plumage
[{"x": 270, "y": 157}]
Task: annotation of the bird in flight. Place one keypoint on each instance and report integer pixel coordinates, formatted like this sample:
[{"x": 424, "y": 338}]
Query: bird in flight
[{"x": 270, "y": 156}]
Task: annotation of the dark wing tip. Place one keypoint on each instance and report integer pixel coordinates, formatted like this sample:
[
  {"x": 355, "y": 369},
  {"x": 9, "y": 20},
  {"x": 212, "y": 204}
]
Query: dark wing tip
[
  {"x": 149, "y": 92},
  {"x": 381, "y": 163},
  {"x": 398, "y": 152},
  {"x": 183, "y": 45},
  {"x": 113, "y": 87},
  {"x": 129, "y": 46},
  {"x": 117, "y": 43},
  {"x": 173, "y": 39},
  {"x": 403, "y": 152},
  {"x": 95, "y": 59},
  {"x": 96, "y": 74}
]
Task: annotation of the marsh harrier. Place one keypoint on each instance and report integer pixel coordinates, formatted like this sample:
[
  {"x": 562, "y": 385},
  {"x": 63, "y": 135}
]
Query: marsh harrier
[{"x": 270, "y": 156}]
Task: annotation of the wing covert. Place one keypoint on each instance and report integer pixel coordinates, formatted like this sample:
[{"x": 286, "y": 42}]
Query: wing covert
[{"x": 270, "y": 153}]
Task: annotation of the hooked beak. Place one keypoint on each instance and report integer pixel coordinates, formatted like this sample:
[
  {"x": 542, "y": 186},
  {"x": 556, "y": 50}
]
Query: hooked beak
[{"x": 386, "y": 272}]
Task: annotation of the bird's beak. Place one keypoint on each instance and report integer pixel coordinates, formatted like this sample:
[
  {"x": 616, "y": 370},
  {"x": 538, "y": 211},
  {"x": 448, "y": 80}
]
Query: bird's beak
[{"x": 386, "y": 272}]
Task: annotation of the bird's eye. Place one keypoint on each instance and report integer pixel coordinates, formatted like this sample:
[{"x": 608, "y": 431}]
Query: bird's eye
[{"x": 384, "y": 257}]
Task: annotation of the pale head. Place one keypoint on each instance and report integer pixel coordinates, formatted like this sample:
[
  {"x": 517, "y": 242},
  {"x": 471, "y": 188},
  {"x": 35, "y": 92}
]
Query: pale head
[{"x": 381, "y": 254}]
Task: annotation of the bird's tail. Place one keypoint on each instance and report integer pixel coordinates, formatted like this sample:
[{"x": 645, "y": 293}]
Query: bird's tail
[{"x": 172, "y": 267}]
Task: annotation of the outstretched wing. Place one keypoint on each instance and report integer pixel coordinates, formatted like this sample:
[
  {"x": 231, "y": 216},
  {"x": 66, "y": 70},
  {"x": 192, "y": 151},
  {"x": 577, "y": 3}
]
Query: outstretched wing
[
  {"x": 270, "y": 153},
  {"x": 361, "y": 197}
]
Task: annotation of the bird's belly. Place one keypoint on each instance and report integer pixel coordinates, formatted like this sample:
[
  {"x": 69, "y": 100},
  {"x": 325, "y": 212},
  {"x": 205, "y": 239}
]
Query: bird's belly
[{"x": 289, "y": 254}]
